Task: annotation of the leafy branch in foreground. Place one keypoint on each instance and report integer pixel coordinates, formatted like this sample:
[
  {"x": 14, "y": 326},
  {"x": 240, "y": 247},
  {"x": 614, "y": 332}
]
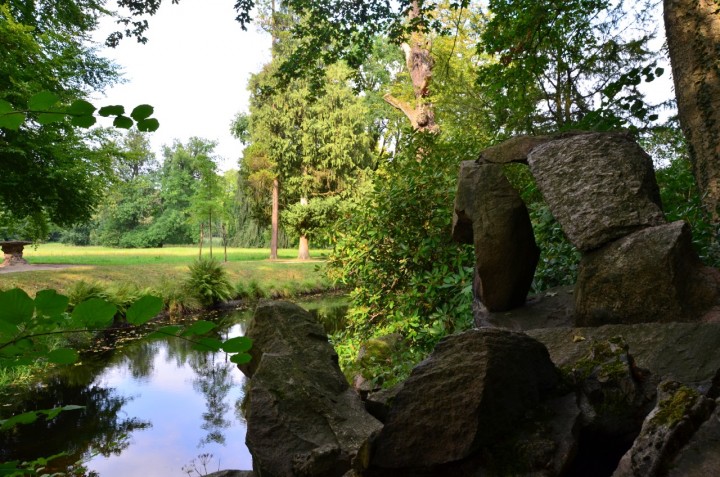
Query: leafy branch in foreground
[{"x": 45, "y": 108}]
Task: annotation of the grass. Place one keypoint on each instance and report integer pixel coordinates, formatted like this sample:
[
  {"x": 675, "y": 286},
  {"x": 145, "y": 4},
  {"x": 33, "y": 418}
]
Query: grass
[{"x": 157, "y": 269}]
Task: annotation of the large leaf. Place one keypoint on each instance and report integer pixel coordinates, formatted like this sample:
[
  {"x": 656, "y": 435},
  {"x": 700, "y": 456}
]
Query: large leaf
[
  {"x": 80, "y": 108},
  {"x": 239, "y": 344},
  {"x": 114, "y": 110},
  {"x": 199, "y": 328},
  {"x": 123, "y": 122},
  {"x": 16, "y": 306},
  {"x": 141, "y": 112},
  {"x": 5, "y": 107},
  {"x": 94, "y": 312},
  {"x": 83, "y": 121},
  {"x": 144, "y": 310},
  {"x": 240, "y": 358},
  {"x": 12, "y": 120},
  {"x": 53, "y": 413},
  {"x": 42, "y": 101},
  {"x": 148, "y": 125},
  {"x": 50, "y": 303},
  {"x": 63, "y": 356},
  {"x": 48, "y": 118},
  {"x": 207, "y": 344},
  {"x": 24, "y": 418}
]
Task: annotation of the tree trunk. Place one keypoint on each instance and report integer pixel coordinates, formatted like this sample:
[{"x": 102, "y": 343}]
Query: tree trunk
[
  {"x": 201, "y": 240},
  {"x": 211, "y": 231},
  {"x": 419, "y": 64},
  {"x": 224, "y": 239},
  {"x": 275, "y": 219},
  {"x": 693, "y": 37},
  {"x": 304, "y": 246}
]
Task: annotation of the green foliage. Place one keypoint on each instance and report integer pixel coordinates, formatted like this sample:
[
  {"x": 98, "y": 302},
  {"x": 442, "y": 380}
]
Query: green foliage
[
  {"x": 208, "y": 282},
  {"x": 394, "y": 251}
]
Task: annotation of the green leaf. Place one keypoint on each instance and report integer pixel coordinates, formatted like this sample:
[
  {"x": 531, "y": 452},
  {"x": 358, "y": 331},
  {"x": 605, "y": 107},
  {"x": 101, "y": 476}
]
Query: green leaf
[
  {"x": 240, "y": 358},
  {"x": 42, "y": 101},
  {"x": 12, "y": 120},
  {"x": 94, "y": 312},
  {"x": 48, "y": 118},
  {"x": 165, "y": 331},
  {"x": 659, "y": 71},
  {"x": 207, "y": 344},
  {"x": 81, "y": 108},
  {"x": 53, "y": 413},
  {"x": 199, "y": 328},
  {"x": 24, "y": 418},
  {"x": 239, "y": 344},
  {"x": 144, "y": 310},
  {"x": 123, "y": 122},
  {"x": 50, "y": 303},
  {"x": 148, "y": 125},
  {"x": 16, "y": 306},
  {"x": 6, "y": 107},
  {"x": 141, "y": 112},
  {"x": 63, "y": 356},
  {"x": 83, "y": 121},
  {"x": 115, "y": 110}
]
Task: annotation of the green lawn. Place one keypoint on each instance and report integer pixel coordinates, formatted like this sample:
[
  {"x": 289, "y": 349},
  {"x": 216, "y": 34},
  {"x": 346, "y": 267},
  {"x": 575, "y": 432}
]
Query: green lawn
[{"x": 156, "y": 269}]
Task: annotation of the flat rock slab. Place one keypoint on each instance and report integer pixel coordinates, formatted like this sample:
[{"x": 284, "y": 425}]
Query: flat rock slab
[
  {"x": 600, "y": 186},
  {"x": 685, "y": 352}
]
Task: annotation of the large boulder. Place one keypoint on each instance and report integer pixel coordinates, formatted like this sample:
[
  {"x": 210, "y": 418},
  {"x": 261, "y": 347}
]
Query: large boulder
[
  {"x": 600, "y": 186},
  {"x": 490, "y": 214},
  {"x": 650, "y": 275},
  {"x": 471, "y": 392},
  {"x": 701, "y": 456},
  {"x": 303, "y": 419}
]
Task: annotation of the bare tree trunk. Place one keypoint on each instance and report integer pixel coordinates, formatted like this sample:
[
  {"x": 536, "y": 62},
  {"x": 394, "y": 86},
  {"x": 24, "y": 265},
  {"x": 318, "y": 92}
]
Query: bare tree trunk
[
  {"x": 224, "y": 239},
  {"x": 304, "y": 246},
  {"x": 693, "y": 37},
  {"x": 211, "y": 231},
  {"x": 419, "y": 64},
  {"x": 274, "y": 219},
  {"x": 201, "y": 240}
]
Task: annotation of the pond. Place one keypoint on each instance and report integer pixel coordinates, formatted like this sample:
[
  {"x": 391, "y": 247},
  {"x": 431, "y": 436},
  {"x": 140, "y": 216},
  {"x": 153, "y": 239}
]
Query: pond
[{"x": 154, "y": 408}]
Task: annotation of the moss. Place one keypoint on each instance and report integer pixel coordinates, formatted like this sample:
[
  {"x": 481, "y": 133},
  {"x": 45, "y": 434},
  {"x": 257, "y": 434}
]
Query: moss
[
  {"x": 675, "y": 407},
  {"x": 606, "y": 359}
]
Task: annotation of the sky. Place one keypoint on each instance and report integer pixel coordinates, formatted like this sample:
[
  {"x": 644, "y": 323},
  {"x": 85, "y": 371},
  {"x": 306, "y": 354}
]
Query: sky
[{"x": 193, "y": 70}]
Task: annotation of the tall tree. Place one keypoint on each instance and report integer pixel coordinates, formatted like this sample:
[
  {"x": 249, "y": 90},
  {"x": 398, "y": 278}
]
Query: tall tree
[{"x": 693, "y": 38}]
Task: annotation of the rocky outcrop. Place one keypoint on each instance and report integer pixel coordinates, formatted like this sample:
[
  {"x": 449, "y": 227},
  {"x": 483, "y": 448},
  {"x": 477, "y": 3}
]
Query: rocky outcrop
[
  {"x": 472, "y": 390},
  {"x": 490, "y": 214},
  {"x": 600, "y": 187},
  {"x": 680, "y": 411},
  {"x": 650, "y": 275},
  {"x": 303, "y": 419}
]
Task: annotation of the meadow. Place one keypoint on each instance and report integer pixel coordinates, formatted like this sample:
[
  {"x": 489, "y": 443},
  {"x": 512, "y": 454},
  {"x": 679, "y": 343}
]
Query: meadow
[{"x": 160, "y": 268}]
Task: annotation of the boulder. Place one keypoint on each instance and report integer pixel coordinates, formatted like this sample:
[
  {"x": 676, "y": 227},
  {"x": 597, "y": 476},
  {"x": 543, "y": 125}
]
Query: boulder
[
  {"x": 490, "y": 214},
  {"x": 650, "y": 275},
  {"x": 599, "y": 186},
  {"x": 679, "y": 412},
  {"x": 303, "y": 419},
  {"x": 472, "y": 390}
]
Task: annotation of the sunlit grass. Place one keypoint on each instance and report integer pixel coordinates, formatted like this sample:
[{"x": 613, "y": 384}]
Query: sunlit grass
[{"x": 156, "y": 269}]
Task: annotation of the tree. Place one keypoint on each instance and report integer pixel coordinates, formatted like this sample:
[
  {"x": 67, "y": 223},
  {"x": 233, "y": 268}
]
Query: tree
[
  {"x": 66, "y": 169},
  {"x": 693, "y": 38}
]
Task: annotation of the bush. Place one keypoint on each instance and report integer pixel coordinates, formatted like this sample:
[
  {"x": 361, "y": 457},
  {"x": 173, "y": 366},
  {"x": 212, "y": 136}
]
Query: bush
[
  {"x": 393, "y": 249},
  {"x": 208, "y": 282}
]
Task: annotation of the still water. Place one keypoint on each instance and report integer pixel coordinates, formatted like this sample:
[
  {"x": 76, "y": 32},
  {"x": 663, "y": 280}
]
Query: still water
[{"x": 153, "y": 408}]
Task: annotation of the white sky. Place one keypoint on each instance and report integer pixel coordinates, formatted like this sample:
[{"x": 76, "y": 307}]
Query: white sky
[{"x": 193, "y": 70}]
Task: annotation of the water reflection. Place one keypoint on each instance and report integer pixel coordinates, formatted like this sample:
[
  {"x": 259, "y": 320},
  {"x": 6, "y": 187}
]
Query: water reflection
[{"x": 152, "y": 408}]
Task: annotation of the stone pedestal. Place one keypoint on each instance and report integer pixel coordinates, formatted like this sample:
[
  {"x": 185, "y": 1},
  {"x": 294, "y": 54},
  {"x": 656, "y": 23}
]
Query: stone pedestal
[{"x": 13, "y": 251}]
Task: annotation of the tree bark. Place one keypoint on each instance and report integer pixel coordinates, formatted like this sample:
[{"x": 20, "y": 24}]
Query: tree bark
[
  {"x": 201, "y": 240},
  {"x": 275, "y": 219},
  {"x": 693, "y": 37},
  {"x": 304, "y": 245},
  {"x": 419, "y": 64}
]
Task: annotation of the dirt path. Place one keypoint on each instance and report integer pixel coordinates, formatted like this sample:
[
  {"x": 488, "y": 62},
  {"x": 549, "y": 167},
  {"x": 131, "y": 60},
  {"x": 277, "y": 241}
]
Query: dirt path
[{"x": 34, "y": 268}]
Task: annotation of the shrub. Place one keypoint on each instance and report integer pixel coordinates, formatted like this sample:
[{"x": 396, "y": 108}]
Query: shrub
[{"x": 208, "y": 282}]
